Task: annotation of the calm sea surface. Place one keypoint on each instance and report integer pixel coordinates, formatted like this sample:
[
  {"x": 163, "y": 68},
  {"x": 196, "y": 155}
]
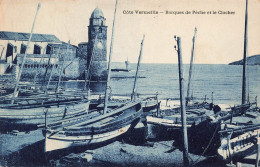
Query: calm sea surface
[{"x": 225, "y": 81}]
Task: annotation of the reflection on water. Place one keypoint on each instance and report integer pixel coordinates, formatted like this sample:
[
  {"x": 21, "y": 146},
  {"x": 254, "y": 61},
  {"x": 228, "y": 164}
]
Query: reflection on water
[{"x": 95, "y": 87}]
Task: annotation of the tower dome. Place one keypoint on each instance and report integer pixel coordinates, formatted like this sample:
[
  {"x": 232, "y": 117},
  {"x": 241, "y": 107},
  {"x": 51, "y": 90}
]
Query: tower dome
[{"x": 97, "y": 13}]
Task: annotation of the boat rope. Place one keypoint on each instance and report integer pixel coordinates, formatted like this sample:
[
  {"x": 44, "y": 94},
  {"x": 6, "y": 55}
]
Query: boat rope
[
  {"x": 210, "y": 142},
  {"x": 38, "y": 69}
]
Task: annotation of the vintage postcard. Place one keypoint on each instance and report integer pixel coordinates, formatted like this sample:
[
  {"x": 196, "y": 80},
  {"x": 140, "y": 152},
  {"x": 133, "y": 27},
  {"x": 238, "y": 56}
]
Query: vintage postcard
[{"x": 129, "y": 83}]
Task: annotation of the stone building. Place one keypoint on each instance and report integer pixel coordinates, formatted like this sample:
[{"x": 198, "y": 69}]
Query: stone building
[
  {"x": 45, "y": 54},
  {"x": 48, "y": 56},
  {"x": 95, "y": 50}
]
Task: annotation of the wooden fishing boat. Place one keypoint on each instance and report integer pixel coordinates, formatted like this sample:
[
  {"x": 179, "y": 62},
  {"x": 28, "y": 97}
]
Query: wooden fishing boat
[
  {"x": 205, "y": 139},
  {"x": 166, "y": 121},
  {"x": 238, "y": 136},
  {"x": 171, "y": 117},
  {"x": 238, "y": 141},
  {"x": 168, "y": 117},
  {"x": 148, "y": 103},
  {"x": 34, "y": 113},
  {"x": 96, "y": 130}
]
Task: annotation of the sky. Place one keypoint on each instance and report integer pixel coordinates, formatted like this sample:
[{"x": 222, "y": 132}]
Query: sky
[{"x": 219, "y": 39}]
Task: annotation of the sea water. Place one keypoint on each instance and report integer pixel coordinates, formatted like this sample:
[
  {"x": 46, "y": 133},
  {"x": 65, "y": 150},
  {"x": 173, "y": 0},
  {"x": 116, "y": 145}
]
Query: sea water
[{"x": 220, "y": 81}]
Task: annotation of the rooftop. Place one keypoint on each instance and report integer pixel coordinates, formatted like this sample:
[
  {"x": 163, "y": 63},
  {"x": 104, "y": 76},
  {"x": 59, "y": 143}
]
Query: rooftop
[
  {"x": 97, "y": 13},
  {"x": 18, "y": 36}
]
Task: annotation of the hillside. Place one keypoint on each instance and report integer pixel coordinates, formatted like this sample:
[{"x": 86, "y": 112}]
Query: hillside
[{"x": 252, "y": 60}]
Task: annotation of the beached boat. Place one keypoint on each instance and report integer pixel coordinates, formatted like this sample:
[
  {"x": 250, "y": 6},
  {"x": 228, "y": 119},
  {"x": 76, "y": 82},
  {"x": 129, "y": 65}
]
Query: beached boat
[
  {"x": 148, "y": 103},
  {"x": 169, "y": 117},
  {"x": 34, "y": 113},
  {"x": 239, "y": 136},
  {"x": 96, "y": 130},
  {"x": 239, "y": 139},
  {"x": 236, "y": 134}
]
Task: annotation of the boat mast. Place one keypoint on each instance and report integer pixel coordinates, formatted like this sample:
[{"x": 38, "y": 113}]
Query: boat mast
[
  {"x": 182, "y": 101},
  {"x": 47, "y": 87},
  {"x": 24, "y": 58},
  {"x": 191, "y": 64},
  {"x": 137, "y": 69},
  {"x": 244, "y": 60},
  {"x": 109, "y": 62},
  {"x": 62, "y": 68}
]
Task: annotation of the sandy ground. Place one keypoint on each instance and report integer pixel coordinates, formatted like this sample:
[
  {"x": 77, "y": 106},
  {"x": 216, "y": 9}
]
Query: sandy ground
[{"x": 27, "y": 150}]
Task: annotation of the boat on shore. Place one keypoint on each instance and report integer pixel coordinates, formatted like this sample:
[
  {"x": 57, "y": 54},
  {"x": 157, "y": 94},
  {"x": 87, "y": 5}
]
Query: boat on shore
[
  {"x": 96, "y": 130},
  {"x": 235, "y": 135}
]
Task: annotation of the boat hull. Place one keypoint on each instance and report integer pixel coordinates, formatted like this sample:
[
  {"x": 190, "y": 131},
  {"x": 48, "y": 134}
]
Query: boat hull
[
  {"x": 52, "y": 144},
  {"x": 240, "y": 146},
  {"x": 28, "y": 119},
  {"x": 96, "y": 130}
]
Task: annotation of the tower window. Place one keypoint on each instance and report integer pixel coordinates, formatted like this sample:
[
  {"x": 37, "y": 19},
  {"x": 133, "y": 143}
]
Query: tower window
[{"x": 100, "y": 30}]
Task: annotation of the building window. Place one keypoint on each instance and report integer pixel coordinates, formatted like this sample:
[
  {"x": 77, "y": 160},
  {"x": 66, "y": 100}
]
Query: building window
[
  {"x": 23, "y": 49},
  {"x": 100, "y": 30},
  {"x": 9, "y": 52},
  {"x": 48, "y": 49},
  {"x": 36, "y": 49}
]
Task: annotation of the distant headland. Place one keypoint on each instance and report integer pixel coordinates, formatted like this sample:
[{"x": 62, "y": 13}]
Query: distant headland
[{"x": 252, "y": 60}]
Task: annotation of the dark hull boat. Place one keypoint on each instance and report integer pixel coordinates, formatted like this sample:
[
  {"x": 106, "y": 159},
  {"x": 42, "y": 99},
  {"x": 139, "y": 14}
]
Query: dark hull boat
[
  {"x": 166, "y": 120},
  {"x": 238, "y": 136},
  {"x": 148, "y": 103},
  {"x": 229, "y": 136},
  {"x": 96, "y": 130},
  {"x": 171, "y": 117}
]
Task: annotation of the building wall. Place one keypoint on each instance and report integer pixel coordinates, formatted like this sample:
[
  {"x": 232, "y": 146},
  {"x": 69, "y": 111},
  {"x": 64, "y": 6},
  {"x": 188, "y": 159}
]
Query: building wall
[
  {"x": 82, "y": 55},
  {"x": 36, "y": 64}
]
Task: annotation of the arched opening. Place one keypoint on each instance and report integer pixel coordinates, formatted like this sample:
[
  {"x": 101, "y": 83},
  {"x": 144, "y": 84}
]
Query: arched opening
[{"x": 36, "y": 49}]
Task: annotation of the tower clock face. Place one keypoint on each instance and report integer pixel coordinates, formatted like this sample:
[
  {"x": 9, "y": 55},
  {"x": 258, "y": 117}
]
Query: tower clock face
[{"x": 100, "y": 45}]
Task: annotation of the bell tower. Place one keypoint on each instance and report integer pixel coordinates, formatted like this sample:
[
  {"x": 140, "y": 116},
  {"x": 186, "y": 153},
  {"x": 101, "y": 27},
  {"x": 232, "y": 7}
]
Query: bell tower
[{"x": 97, "y": 46}]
